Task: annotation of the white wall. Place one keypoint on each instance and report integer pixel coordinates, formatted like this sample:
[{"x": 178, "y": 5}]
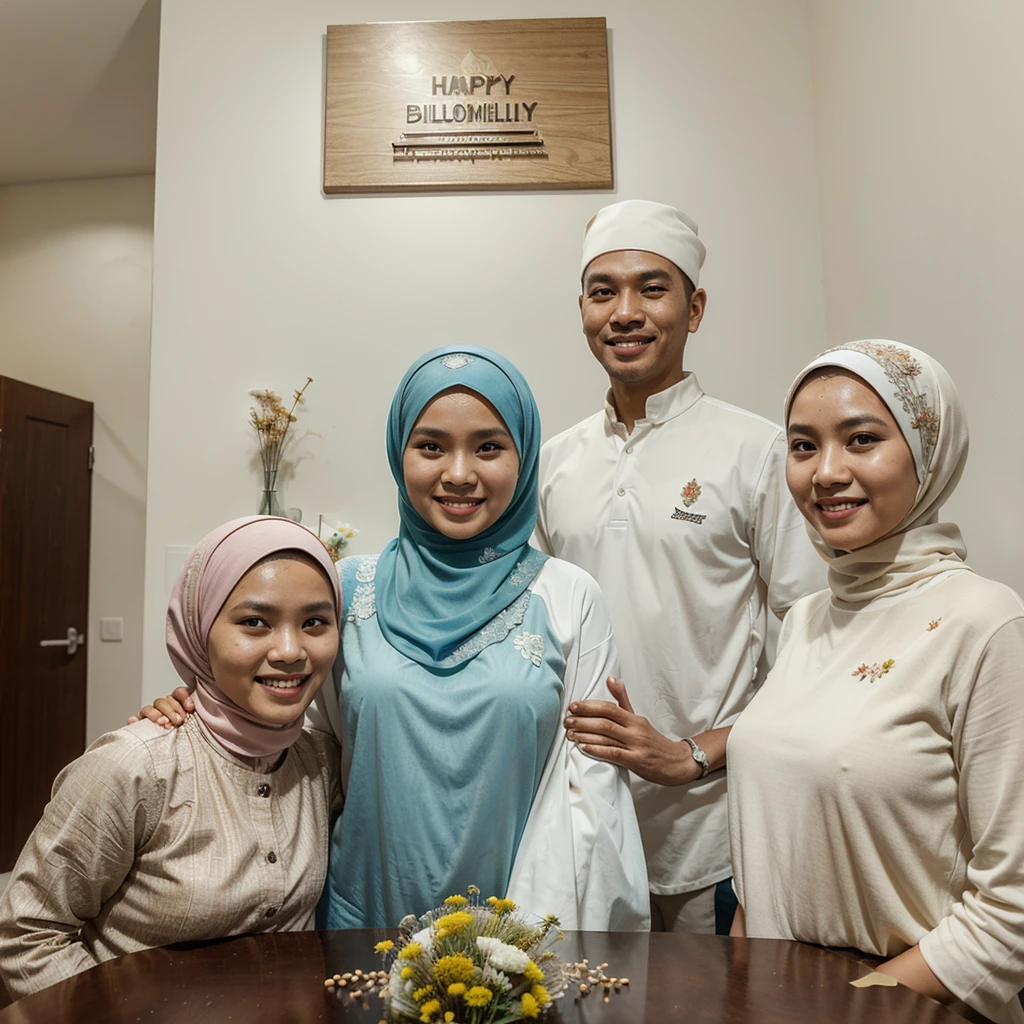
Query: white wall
[
  {"x": 260, "y": 279},
  {"x": 75, "y": 284},
  {"x": 920, "y": 163}
]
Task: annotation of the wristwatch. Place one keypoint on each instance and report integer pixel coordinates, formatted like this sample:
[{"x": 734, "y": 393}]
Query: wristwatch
[{"x": 699, "y": 756}]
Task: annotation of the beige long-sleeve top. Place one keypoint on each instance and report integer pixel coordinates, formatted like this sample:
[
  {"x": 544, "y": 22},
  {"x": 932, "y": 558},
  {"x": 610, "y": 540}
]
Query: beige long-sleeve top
[
  {"x": 877, "y": 784},
  {"x": 155, "y": 836}
]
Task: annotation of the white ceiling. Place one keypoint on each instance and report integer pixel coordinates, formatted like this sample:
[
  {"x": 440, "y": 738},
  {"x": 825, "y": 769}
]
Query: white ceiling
[{"x": 77, "y": 88}]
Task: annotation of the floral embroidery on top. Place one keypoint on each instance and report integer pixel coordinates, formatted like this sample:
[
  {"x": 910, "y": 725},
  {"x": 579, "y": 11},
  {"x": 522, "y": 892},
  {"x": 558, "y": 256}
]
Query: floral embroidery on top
[
  {"x": 526, "y": 569},
  {"x": 364, "y": 598},
  {"x": 530, "y": 646},
  {"x": 934, "y": 624},
  {"x": 873, "y": 672},
  {"x": 489, "y": 555},
  {"x": 456, "y": 361},
  {"x": 517, "y": 577},
  {"x": 690, "y": 493},
  {"x": 902, "y": 369},
  {"x": 493, "y": 633}
]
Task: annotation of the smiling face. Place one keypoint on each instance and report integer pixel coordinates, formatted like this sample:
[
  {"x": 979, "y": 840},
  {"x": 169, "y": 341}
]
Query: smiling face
[
  {"x": 849, "y": 467},
  {"x": 460, "y": 464},
  {"x": 275, "y": 639},
  {"x": 638, "y": 310}
]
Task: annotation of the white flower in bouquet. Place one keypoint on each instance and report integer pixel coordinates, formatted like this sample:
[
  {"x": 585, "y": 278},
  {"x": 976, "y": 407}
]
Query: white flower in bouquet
[{"x": 503, "y": 957}]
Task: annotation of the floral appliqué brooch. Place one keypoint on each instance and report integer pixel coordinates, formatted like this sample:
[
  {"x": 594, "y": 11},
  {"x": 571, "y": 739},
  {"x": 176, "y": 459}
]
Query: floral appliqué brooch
[
  {"x": 530, "y": 646},
  {"x": 873, "y": 672}
]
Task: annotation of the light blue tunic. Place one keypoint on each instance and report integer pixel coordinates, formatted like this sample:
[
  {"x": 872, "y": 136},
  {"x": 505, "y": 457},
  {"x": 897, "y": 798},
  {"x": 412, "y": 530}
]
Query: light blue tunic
[{"x": 442, "y": 764}]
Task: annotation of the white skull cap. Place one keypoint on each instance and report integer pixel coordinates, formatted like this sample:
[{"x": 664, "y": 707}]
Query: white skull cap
[{"x": 650, "y": 227}]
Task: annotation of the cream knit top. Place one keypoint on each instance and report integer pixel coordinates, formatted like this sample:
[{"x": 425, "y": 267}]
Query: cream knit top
[{"x": 877, "y": 783}]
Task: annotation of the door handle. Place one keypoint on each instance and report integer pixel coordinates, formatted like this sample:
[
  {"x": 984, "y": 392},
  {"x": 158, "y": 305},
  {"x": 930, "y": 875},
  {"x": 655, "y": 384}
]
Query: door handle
[{"x": 72, "y": 643}]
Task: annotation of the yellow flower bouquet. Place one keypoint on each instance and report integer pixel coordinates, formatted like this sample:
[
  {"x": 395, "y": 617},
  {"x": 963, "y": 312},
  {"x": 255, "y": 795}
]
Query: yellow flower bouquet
[{"x": 469, "y": 962}]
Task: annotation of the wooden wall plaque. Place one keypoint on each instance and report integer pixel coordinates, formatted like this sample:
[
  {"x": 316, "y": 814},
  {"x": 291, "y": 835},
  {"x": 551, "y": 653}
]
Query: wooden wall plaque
[{"x": 441, "y": 105}]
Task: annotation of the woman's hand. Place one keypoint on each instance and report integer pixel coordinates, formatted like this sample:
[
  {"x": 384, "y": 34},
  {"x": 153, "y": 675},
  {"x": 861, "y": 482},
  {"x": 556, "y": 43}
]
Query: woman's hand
[
  {"x": 616, "y": 734},
  {"x": 169, "y": 712}
]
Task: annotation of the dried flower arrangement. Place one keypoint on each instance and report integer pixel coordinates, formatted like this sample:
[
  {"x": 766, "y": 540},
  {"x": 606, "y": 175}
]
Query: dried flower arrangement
[
  {"x": 335, "y": 534},
  {"x": 468, "y": 962},
  {"x": 271, "y": 421}
]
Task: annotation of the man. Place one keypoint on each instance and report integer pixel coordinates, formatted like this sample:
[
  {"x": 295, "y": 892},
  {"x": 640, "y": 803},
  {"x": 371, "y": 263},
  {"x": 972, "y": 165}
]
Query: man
[{"x": 677, "y": 504}]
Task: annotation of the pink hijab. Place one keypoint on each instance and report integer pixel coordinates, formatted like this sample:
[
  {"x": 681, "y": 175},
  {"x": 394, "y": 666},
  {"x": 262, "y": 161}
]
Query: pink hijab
[{"x": 212, "y": 571}]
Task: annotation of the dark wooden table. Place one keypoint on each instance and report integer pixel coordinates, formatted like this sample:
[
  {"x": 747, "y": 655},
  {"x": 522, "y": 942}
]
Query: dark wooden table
[{"x": 279, "y": 978}]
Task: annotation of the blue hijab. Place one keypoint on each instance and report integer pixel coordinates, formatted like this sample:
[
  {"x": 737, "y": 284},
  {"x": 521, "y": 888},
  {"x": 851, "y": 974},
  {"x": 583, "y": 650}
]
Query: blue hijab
[{"x": 435, "y": 593}]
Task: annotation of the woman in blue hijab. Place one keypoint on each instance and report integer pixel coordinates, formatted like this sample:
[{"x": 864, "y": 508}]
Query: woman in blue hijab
[{"x": 462, "y": 647}]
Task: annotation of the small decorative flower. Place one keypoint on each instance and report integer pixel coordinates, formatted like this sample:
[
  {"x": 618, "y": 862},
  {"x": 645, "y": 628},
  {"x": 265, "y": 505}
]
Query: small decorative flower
[
  {"x": 457, "y": 989},
  {"x": 541, "y": 994},
  {"x": 517, "y": 577},
  {"x": 506, "y": 958},
  {"x": 934, "y": 624},
  {"x": 429, "y": 1010},
  {"x": 530, "y": 1008},
  {"x": 690, "y": 493},
  {"x": 531, "y": 647},
  {"x": 410, "y": 951},
  {"x": 456, "y": 901},
  {"x": 489, "y": 555},
  {"x": 456, "y": 361},
  {"x": 479, "y": 996},
  {"x": 873, "y": 672},
  {"x": 453, "y": 970},
  {"x": 452, "y": 924},
  {"x": 501, "y": 907},
  {"x": 533, "y": 973},
  {"x": 421, "y": 993},
  {"x": 384, "y": 947}
]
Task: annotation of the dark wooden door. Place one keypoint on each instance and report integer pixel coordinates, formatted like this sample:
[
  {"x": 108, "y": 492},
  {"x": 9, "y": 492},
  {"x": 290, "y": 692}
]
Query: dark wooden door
[{"x": 45, "y": 490}]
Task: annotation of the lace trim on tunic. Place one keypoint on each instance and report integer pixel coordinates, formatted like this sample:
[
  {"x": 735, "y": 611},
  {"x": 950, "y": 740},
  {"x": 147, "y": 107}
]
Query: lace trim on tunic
[
  {"x": 493, "y": 633},
  {"x": 364, "y": 599}
]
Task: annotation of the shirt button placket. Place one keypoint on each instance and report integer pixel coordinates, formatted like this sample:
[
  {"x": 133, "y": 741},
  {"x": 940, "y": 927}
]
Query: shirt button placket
[{"x": 263, "y": 820}]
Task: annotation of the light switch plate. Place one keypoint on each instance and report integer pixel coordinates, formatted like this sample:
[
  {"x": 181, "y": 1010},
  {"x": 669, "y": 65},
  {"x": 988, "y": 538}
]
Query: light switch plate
[{"x": 112, "y": 630}]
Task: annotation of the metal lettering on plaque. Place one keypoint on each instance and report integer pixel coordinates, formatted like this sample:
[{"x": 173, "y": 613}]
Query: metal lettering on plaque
[{"x": 525, "y": 106}]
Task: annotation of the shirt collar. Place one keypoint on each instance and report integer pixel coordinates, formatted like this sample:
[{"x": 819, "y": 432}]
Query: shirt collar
[{"x": 663, "y": 406}]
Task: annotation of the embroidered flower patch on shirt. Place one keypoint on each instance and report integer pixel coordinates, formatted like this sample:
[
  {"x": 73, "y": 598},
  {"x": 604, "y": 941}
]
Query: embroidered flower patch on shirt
[
  {"x": 873, "y": 672},
  {"x": 530, "y": 646},
  {"x": 690, "y": 493}
]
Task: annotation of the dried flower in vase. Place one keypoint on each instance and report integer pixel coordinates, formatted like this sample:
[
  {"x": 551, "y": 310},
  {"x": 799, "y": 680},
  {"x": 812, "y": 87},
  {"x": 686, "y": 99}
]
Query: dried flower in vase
[{"x": 271, "y": 421}]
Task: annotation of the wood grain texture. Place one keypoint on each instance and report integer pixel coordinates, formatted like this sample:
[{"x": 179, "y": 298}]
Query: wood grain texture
[
  {"x": 375, "y": 72},
  {"x": 699, "y": 979}
]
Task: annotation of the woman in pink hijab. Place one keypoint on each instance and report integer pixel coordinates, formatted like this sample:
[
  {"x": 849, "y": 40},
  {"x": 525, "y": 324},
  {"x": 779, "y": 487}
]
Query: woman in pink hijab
[{"x": 218, "y": 828}]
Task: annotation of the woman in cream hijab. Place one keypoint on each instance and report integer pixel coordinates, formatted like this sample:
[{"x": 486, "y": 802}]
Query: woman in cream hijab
[{"x": 876, "y": 796}]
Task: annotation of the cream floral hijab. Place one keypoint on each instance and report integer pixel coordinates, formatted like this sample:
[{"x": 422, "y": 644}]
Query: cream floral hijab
[{"x": 926, "y": 406}]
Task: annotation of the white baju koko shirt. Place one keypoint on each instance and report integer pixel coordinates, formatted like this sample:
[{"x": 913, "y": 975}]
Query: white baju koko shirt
[{"x": 690, "y": 531}]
